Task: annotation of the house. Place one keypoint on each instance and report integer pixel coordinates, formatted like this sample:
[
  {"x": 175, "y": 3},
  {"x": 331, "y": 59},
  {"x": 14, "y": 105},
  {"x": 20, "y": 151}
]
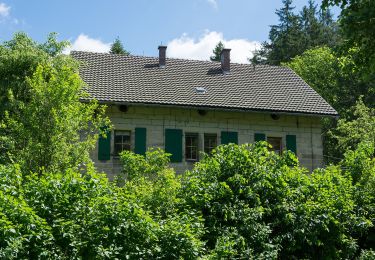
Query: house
[{"x": 189, "y": 106}]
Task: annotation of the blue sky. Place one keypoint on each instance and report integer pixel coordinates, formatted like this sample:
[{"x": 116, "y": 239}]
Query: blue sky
[{"x": 189, "y": 28}]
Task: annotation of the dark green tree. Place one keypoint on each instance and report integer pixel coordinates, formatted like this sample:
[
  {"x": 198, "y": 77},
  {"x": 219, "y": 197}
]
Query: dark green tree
[
  {"x": 118, "y": 48},
  {"x": 296, "y": 33},
  {"x": 285, "y": 38},
  {"x": 217, "y": 51}
]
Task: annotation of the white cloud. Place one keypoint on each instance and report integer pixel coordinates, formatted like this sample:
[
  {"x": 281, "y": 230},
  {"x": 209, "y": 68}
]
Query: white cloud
[
  {"x": 85, "y": 43},
  {"x": 188, "y": 48},
  {"x": 213, "y": 3},
  {"x": 4, "y": 10}
]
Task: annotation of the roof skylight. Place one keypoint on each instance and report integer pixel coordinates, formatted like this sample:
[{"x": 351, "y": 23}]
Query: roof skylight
[{"x": 200, "y": 90}]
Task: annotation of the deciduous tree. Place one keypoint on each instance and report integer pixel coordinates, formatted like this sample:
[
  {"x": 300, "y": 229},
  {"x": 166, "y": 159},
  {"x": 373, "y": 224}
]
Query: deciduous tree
[{"x": 44, "y": 123}]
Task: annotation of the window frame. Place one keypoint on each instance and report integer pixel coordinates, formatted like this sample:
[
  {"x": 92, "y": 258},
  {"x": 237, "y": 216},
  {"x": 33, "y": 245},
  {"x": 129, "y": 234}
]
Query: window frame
[
  {"x": 195, "y": 135},
  {"x": 115, "y": 134},
  {"x": 280, "y": 142},
  {"x": 209, "y": 148}
]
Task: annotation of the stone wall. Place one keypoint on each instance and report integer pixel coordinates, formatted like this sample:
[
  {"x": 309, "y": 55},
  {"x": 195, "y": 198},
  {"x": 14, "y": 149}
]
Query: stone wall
[{"x": 156, "y": 119}]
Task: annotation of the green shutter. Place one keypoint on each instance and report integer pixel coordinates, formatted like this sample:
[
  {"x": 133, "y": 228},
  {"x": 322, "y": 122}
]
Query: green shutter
[
  {"x": 259, "y": 137},
  {"x": 229, "y": 137},
  {"x": 173, "y": 144},
  {"x": 291, "y": 143},
  {"x": 140, "y": 140},
  {"x": 104, "y": 147}
]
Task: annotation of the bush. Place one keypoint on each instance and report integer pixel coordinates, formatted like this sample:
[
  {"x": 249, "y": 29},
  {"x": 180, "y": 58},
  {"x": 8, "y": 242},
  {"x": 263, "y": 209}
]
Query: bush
[
  {"x": 360, "y": 165},
  {"x": 255, "y": 205},
  {"x": 239, "y": 202},
  {"x": 76, "y": 216}
]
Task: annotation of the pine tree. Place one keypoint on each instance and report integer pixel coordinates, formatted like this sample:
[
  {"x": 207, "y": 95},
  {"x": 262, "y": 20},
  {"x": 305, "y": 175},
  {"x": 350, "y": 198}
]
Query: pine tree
[
  {"x": 118, "y": 48},
  {"x": 217, "y": 51},
  {"x": 297, "y": 33},
  {"x": 285, "y": 38}
]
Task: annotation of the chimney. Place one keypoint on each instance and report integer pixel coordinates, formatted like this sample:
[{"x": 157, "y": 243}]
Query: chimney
[
  {"x": 162, "y": 56},
  {"x": 225, "y": 60}
]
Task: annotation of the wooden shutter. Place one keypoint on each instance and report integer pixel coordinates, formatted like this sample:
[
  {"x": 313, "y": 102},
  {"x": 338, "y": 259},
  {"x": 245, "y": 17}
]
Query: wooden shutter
[
  {"x": 140, "y": 140},
  {"x": 104, "y": 147},
  {"x": 229, "y": 137},
  {"x": 173, "y": 144},
  {"x": 291, "y": 143},
  {"x": 259, "y": 137}
]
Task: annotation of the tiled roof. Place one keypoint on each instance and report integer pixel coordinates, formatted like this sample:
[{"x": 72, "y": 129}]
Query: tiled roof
[{"x": 135, "y": 79}]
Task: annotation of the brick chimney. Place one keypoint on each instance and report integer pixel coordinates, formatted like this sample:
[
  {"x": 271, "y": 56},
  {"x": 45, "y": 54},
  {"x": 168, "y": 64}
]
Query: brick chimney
[
  {"x": 225, "y": 60},
  {"x": 162, "y": 56}
]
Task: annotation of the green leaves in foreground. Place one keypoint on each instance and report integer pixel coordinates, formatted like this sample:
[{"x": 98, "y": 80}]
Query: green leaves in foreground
[
  {"x": 239, "y": 202},
  {"x": 255, "y": 205}
]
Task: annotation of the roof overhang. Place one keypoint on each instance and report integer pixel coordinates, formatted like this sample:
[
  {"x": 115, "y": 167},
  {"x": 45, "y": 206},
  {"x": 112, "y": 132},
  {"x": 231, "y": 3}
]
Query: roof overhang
[{"x": 217, "y": 108}]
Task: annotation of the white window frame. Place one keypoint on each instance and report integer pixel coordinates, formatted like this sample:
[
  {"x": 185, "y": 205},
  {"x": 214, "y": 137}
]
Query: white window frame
[{"x": 191, "y": 147}]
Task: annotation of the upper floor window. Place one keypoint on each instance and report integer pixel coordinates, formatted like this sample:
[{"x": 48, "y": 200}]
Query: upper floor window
[
  {"x": 191, "y": 147},
  {"x": 210, "y": 142},
  {"x": 276, "y": 143},
  {"x": 122, "y": 141}
]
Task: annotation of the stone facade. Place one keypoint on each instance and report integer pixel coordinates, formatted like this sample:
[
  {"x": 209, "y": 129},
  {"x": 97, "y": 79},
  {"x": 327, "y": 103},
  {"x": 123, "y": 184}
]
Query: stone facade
[{"x": 156, "y": 119}]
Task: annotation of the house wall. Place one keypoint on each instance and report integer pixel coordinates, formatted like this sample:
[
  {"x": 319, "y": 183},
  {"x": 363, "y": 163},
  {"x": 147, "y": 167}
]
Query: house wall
[{"x": 156, "y": 119}]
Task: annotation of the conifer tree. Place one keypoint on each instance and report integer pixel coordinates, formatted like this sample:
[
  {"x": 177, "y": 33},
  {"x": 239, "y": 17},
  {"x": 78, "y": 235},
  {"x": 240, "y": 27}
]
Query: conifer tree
[
  {"x": 297, "y": 33},
  {"x": 217, "y": 51},
  {"x": 118, "y": 48}
]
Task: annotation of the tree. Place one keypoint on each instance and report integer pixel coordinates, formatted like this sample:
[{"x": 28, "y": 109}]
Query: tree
[
  {"x": 255, "y": 205},
  {"x": 357, "y": 24},
  {"x": 217, "y": 51},
  {"x": 338, "y": 79},
  {"x": 285, "y": 38},
  {"x": 361, "y": 129},
  {"x": 44, "y": 125},
  {"x": 296, "y": 33},
  {"x": 118, "y": 48}
]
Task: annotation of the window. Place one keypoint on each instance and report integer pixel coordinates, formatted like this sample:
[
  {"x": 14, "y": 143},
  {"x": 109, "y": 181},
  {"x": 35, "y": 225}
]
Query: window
[
  {"x": 276, "y": 143},
  {"x": 122, "y": 141},
  {"x": 191, "y": 147},
  {"x": 210, "y": 142}
]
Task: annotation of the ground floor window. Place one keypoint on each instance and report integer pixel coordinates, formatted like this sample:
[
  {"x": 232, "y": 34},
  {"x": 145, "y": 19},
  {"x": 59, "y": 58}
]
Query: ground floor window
[
  {"x": 210, "y": 142},
  {"x": 191, "y": 146},
  {"x": 122, "y": 141},
  {"x": 276, "y": 143}
]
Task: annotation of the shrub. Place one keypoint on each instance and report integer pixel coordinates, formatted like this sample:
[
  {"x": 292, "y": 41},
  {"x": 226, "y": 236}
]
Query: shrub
[
  {"x": 70, "y": 215},
  {"x": 255, "y": 205}
]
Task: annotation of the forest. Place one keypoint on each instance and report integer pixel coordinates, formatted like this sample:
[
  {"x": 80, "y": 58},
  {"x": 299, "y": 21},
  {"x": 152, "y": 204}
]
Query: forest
[{"x": 239, "y": 202}]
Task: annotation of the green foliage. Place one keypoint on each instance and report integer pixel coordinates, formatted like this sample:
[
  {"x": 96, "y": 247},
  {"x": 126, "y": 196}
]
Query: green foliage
[
  {"x": 349, "y": 133},
  {"x": 360, "y": 165},
  {"x": 217, "y": 51},
  {"x": 296, "y": 33},
  {"x": 135, "y": 165},
  {"x": 319, "y": 67},
  {"x": 24, "y": 235},
  {"x": 118, "y": 48},
  {"x": 75, "y": 216},
  {"x": 336, "y": 78},
  {"x": 357, "y": 24},
  {"x": 155, "y": 187},
  {"x": 239, "y": 202},
  {"x": 255, "y": 205},
  {"x": 43, "y": 122}
]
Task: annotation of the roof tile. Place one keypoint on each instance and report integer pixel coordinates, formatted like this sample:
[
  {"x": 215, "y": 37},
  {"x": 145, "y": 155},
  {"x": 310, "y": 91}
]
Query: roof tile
[{"x": 135, "y": 79}]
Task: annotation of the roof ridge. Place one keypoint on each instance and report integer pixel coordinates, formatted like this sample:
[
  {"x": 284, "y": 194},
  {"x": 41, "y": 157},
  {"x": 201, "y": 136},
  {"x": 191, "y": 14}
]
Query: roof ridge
[{"x": 175, "y": 59}]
